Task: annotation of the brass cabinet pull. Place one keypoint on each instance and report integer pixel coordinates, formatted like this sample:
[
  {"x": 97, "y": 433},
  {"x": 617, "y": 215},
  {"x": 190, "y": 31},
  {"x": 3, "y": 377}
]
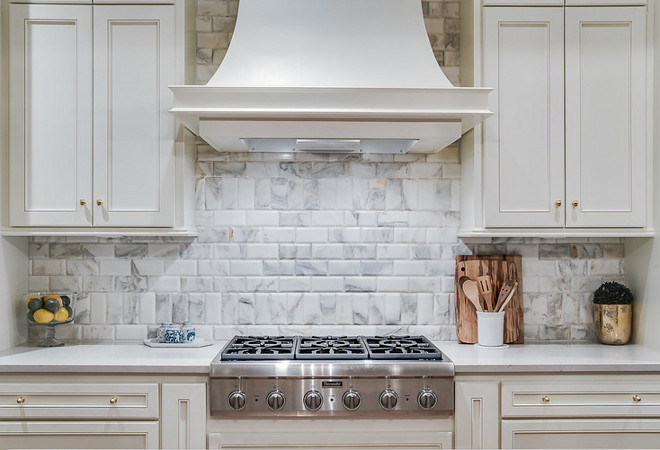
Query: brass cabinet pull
[
  {"x": 637, "y": 398},
  {"x": 545, "y": 399},
  {"x": 574, "y": 203},
  {"x": 20, "y": 400},
  {"x": 557, "y": 203},
  {"x": 99, "y": 202},
  {"x": 83, "y": 202},
  {"x": 113, "y": 400}
]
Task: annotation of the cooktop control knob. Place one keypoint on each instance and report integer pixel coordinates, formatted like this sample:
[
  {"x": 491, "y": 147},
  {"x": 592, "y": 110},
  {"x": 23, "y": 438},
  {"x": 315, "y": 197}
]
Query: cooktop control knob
[
  {"x": 388, "y": 399},
  {"x": 237, "y": 400},
  {"x": 313, "y": 400},
  {"x": 427, "y": 399},
  {"x": 276, "y": 400},
  {"x": 351, "y": 399}
]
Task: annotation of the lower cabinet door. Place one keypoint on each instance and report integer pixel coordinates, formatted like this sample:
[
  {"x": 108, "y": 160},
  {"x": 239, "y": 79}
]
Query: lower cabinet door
[
  {"x": 97, "y": 435},
  {"x": 184, "y": 415},
  {"x": 581, "y": 433},
  {"x": 347, "y": 441}
]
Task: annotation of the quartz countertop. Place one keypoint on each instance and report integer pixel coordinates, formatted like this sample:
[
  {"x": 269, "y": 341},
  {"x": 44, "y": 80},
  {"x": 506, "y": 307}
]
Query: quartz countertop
[
  {"x": 108, "y": 358},
  {"x": 539, "y": 357},
  {"x": 138, "y": 358}
]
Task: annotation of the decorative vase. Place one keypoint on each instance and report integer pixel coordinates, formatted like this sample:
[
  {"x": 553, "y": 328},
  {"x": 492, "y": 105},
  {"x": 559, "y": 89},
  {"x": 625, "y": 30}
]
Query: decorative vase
[{"x": 613, "y": 323}]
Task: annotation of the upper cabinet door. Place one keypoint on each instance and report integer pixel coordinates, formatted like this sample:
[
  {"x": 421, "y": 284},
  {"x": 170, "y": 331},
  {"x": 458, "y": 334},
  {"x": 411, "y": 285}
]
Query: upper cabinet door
[
  {"x": 50, "y": 121},
  {"x": 606, "y": 139},
  {"x": 134, "y": 63},
  {"x": 523, "y": 157}
]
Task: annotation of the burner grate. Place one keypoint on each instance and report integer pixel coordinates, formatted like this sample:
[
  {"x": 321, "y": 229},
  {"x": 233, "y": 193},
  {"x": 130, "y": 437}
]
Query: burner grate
[
  {"x": 331, "y": 347},
  {"x": 401, "y": 347},
  {"x": 259, "y": 348}
]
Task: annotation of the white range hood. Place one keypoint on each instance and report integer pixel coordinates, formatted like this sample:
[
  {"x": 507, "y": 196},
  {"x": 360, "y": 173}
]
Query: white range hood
[{"x": 330, "y": 76}]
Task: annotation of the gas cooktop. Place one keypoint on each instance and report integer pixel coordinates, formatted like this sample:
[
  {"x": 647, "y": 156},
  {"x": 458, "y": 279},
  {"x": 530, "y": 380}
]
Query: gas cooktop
[
  {"x": 330, "y": 375},
  {"x": 244, "y": 348}
]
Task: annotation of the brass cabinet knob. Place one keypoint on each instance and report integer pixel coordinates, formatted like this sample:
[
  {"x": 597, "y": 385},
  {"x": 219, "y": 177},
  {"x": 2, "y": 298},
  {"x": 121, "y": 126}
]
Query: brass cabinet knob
[
  {"x": 83, "y": 202},
  {"x": 574, "y": 203},
  {"x": 545, "y": 399},
  {"x": 20, "y": 400},
  {"x": 99, "y": 201},
  {"x": 557, "y": 203},
  {"x": 637, "y": 398},
  {"x": 113, "y": 400}
]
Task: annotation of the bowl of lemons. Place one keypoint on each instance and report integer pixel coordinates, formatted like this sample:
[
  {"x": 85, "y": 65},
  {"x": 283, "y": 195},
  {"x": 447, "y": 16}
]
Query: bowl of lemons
[{"x": 50, "y": 309}]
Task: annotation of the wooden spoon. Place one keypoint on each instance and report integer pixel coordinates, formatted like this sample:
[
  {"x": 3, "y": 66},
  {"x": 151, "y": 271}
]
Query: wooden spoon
[
  {"x": 504, "y": 293},
  {"x": 486, "y": 289},
  {"x": 471, "y": 291},
  {"x": 509, "y": 297}
]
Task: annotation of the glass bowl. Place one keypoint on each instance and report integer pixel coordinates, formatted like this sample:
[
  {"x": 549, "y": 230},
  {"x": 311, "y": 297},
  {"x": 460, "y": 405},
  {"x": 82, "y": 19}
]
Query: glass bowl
[{"x": 45, "y": 308}]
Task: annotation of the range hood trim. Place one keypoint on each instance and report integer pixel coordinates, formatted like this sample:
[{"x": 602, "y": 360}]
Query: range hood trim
[
  {"x": 330, "y": 69},
  {"x": 257, "y": 111}
]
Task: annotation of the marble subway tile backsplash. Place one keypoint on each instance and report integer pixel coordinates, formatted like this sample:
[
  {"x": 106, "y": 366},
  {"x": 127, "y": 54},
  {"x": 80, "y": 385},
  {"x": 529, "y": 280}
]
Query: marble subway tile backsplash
[
  {"x": 314, "y": 243},
  {"x": 317, "y": 244}
]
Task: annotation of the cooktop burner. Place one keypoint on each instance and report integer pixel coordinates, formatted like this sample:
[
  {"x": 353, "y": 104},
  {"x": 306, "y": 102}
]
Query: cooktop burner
[
  {"x": 401, "y": 347},
  {"x": 260, "y": 347},
  {"x": 331, "y": 347}
]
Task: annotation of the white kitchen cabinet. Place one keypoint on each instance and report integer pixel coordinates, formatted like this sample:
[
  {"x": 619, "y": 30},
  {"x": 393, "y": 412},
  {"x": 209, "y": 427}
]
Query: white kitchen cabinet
[
  {"x": 301, "y": 440},
  {"x": 606, "y": 117},
  {"x": 134, "y": 64},
  {"x": 70, "y": 435},
  {"x": 568, "y": 149},
  {"x": 50, "y": 114},
  {"x": 524, "y": 140},
  {"x": 581, "y": 433},
  {"x": 93, "y": 148},
  {"x": 611, "y": 410},
  {"x": 314, "y": 433},
  {"x": 477, "y": 414},
  {"x": 184, "y": 415}
]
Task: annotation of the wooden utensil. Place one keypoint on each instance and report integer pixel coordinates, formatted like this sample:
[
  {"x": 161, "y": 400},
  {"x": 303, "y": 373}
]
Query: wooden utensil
[
  {"x": 504, "y": 293},
  {"x": 509, "y": 297},
  {"x": 500, "y": 268},
  {"x": 486, "y": 291},
  {"x": 471, "y": 291}
]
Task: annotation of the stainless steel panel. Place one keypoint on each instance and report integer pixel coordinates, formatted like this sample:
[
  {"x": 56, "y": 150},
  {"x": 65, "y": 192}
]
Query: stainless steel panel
[{"x": 332, "y": 389}]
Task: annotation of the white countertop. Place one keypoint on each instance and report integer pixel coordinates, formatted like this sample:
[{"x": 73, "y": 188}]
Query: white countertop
[
  {"x": 108, "y": 358},
  {"x": 137, "y": 358},
  {"x": 538, "y": 357}
]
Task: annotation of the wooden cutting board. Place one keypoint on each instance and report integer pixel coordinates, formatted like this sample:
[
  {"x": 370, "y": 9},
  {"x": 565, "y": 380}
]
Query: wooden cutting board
[{"x": 500, "y": 268}]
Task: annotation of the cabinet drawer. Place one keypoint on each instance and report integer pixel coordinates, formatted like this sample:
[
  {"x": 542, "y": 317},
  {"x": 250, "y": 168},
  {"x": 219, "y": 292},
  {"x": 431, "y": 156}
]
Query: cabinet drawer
[
  {"x": 78, "y": 401},
  {"x": 566, "y": 398},
  {"x": 581, "y": 433}
]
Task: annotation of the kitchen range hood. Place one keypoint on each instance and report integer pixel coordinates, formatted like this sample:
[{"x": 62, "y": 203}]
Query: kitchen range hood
[{"x": 352, "y": 76}]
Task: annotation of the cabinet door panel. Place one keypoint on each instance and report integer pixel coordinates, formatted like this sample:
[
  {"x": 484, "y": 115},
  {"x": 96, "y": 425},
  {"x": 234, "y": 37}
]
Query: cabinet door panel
[
  {"x": 133, "y": 132},
  {"x": 184, "y": 415},
  {"x": 51, "y": 110},
  {"x": 606, "y": 116},
  {"x": 575, "y": 433},
  {"x": 69, "y": 435},
  {"x": 524, "y": 139},
  {"x": 477, "y": 414}
]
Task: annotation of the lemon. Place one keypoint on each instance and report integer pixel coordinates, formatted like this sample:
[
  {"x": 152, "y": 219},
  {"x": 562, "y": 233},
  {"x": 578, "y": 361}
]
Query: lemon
[
  {"x": 61, "y": 315},
  {"x": 52, "y": 305},
  {"x": 43, "y": 316},
  {"x": 33, "y": 303},
  {"x": 56, "y": 297}
]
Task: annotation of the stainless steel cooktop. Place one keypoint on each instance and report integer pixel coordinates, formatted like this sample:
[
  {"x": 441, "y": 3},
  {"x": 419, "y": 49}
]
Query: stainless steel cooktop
[{"x": 330, "y": 375}]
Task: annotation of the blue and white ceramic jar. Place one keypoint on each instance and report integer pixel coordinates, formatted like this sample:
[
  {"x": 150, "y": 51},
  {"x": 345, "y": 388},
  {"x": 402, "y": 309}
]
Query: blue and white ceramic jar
[
  {"x": 173, "y": 334},
  {"x": 160, "y": 334},
  {"x": 188, "y": 332}
]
